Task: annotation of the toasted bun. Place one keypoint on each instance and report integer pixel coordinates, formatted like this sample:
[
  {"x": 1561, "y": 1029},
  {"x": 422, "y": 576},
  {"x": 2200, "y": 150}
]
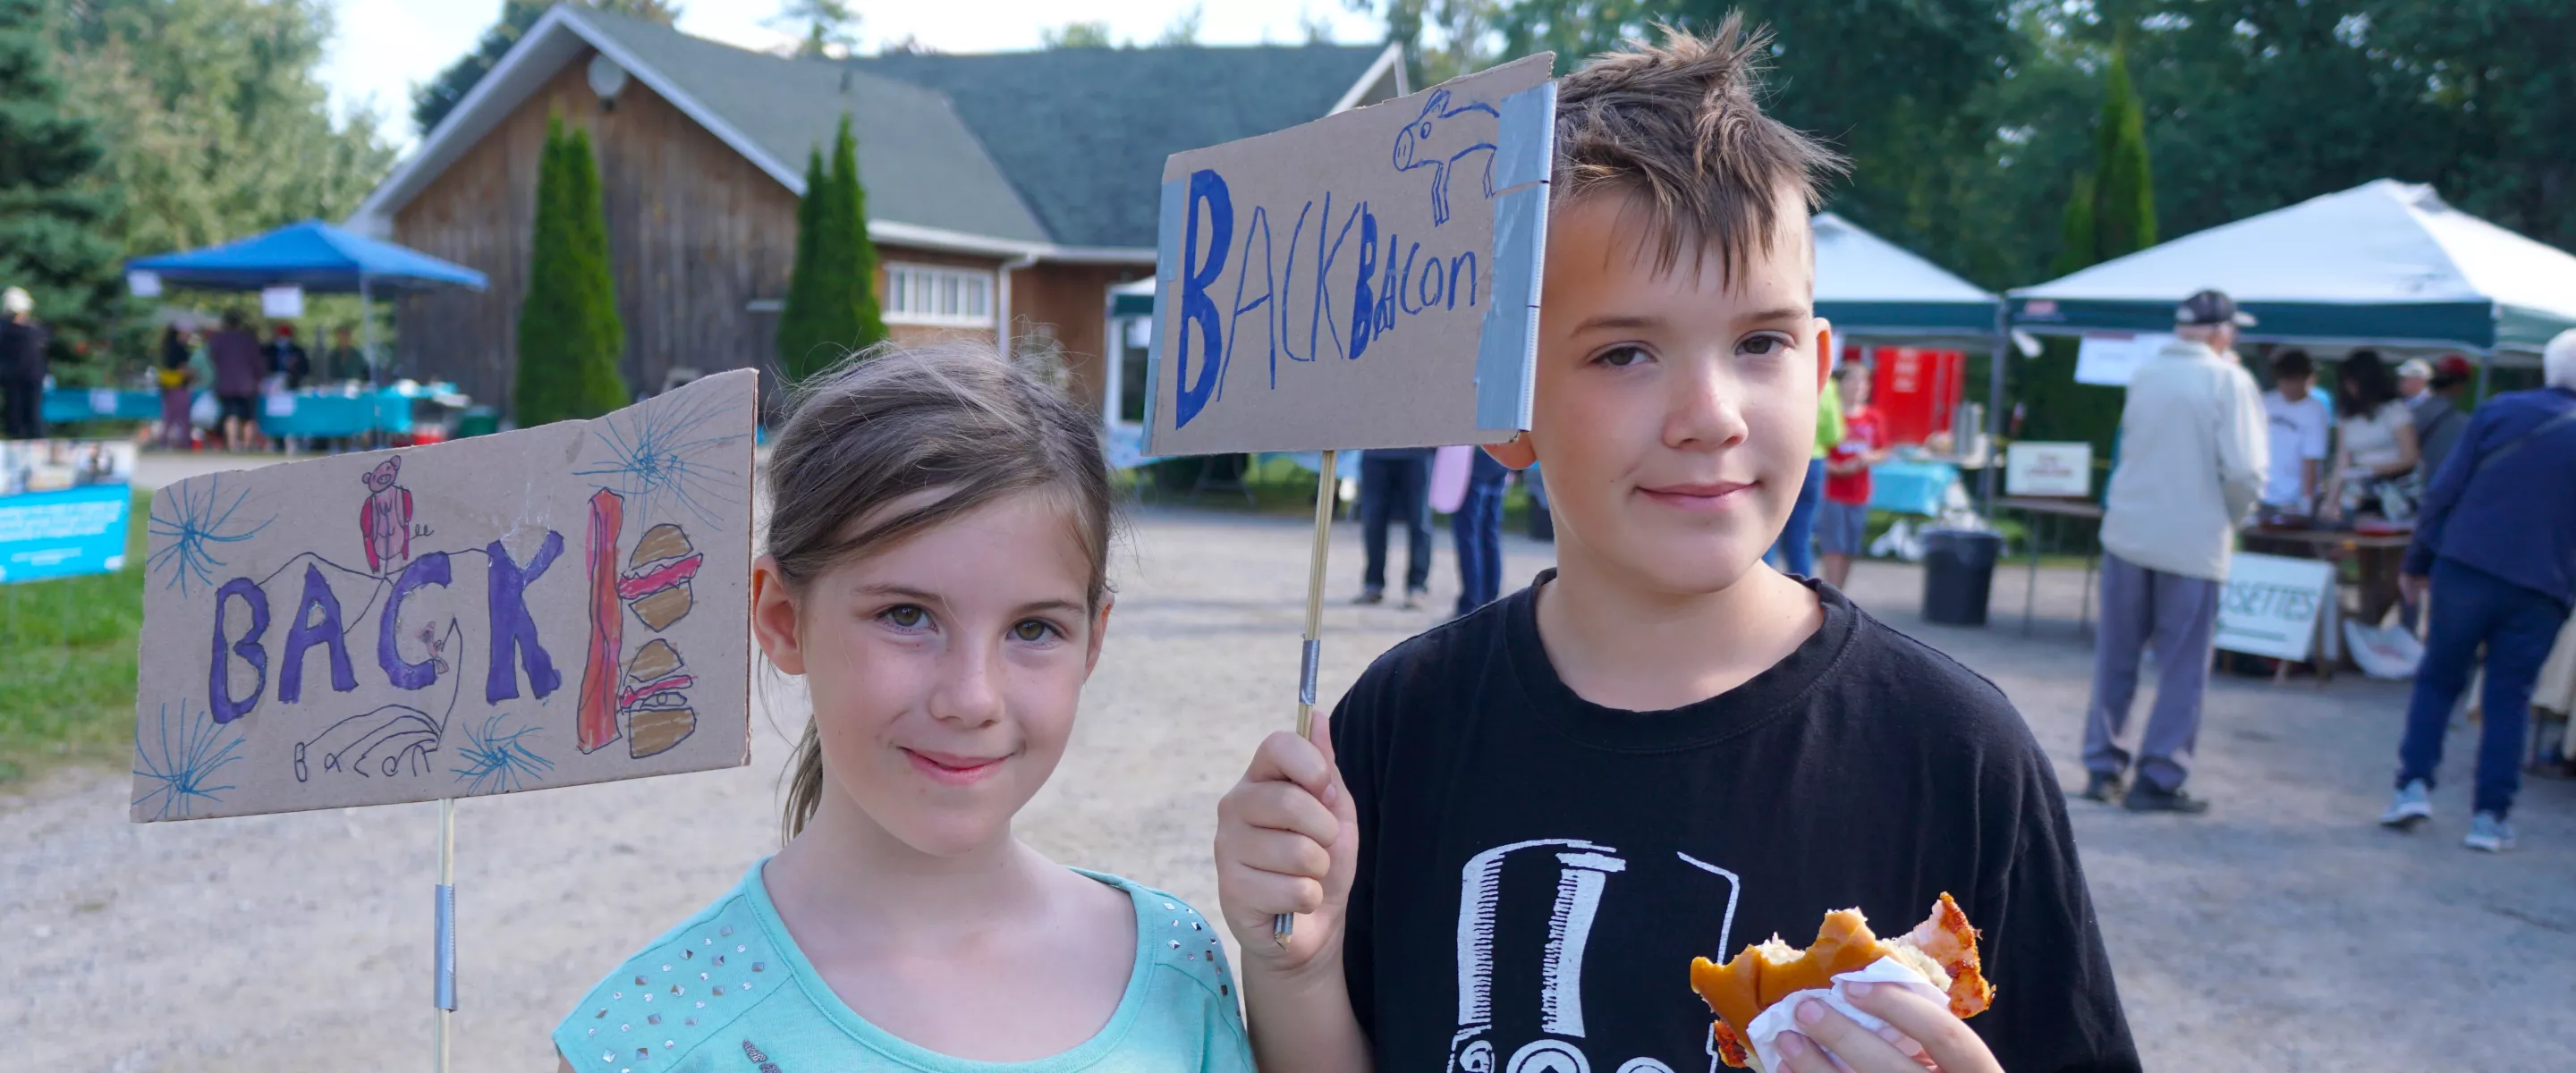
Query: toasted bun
[
  {"x": 1943, "y": 948},
  {"x": 664, "y": 541}
]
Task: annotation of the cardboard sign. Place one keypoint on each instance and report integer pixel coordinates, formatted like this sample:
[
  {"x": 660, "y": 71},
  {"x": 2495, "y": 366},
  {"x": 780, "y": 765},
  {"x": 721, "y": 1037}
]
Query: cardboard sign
[
  {"x": 560, "y": 605},
  {"x": 2271, "y": 603},
  {"x": 1369, "y": 279},
  {"x": 2033, "y": 468}
]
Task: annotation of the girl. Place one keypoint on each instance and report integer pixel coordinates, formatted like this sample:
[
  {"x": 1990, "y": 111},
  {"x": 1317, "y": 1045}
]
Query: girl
[
  {"x": 2378, "y": 447},
  {"x": 936, "y": 572}
]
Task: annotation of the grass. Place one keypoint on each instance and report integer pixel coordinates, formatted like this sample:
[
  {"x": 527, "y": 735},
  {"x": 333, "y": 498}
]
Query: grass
[{"x": 67, "y": 663}]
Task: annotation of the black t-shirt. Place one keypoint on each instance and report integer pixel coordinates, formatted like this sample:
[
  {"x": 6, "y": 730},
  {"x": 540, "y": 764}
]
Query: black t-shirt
[{"x": 1537, "y": 871}]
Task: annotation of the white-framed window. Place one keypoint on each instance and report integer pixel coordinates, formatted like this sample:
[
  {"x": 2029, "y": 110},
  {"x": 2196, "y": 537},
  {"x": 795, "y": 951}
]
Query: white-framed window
[{"x": 931, "y": 294}]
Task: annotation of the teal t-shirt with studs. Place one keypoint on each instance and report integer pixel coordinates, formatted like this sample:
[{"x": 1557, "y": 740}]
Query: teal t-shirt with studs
[{"x": 728, "y": 990}]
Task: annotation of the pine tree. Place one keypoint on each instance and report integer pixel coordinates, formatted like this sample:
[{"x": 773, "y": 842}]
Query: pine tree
[
  {"x": 53, "y": 213},
  {"x": 855, "y": 288},
  {"x": 569, "y": 333},
  {"x": 831, "y": 305},
  {"x": 798, "y": 341},
  {"x": 603, "y": 383},
  {"x": 2124, "y": 199},
  {"x": 2110, "y": 213}
]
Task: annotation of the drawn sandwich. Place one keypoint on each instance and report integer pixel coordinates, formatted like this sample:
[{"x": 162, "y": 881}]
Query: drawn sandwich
[
  {"x": 656, "y": 587},
  {"x": 657, "y": 713},
  {"x": 656, "y": 582}
]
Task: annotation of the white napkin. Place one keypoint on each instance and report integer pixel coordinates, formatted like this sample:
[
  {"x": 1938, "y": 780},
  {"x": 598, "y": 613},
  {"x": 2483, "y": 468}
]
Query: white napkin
[{"x": 1763, "y": 1034}]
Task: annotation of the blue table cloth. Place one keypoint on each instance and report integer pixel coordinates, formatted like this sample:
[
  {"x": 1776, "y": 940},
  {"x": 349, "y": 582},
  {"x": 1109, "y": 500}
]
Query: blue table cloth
[{"x": 1911, "y": 487}]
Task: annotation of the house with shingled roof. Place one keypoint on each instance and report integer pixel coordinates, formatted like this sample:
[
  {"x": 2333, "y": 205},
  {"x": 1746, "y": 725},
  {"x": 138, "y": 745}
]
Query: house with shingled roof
[{"x": 1009, "y": 194}]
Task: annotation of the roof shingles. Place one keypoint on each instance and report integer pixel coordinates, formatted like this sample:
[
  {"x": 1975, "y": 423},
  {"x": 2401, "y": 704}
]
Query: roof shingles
[{"x": 1063, "y": 146}]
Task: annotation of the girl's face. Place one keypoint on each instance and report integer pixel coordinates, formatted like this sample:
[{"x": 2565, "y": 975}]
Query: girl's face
[{"x": 944, "y": 669}]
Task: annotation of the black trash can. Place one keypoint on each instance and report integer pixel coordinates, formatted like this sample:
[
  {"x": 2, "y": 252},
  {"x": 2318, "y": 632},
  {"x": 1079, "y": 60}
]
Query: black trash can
[{"x": 1958, "y": 574}]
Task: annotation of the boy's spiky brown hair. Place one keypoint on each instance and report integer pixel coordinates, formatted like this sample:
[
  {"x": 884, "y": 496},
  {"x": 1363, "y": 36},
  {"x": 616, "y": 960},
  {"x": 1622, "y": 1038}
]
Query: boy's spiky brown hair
[{"x": 1679, "y": 127}]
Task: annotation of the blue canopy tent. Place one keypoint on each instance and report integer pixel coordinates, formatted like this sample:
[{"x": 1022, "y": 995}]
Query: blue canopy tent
[{"x": 316, "y": 257}]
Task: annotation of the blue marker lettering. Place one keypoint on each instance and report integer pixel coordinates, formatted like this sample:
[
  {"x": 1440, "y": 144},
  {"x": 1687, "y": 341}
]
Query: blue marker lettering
[
  {"x": 1363, "y": 306},
  {"x": 1206, "y": 187},
  {"x": 219, "y": 691},
  {"x": 306, "y": 633},
  {"x": 513, "y": 632}
]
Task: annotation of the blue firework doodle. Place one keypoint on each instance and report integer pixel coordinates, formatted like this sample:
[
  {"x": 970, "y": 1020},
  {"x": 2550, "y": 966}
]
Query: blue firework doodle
[
  {"x": 197, "y": 522},
  {"x": 496, "y": 761},
  {"x": 181, "y": 764},
  {"x": 660, "y": 456}
]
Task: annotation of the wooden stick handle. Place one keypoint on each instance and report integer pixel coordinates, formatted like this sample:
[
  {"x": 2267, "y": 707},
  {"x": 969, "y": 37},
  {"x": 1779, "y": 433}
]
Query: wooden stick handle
[
  {"x": 443, "y": 939},
  {"x": 1327, "y": 492}
]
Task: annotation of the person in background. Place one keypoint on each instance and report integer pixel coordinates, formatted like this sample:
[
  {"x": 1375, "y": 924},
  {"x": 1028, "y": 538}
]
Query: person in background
[
  {"x": 2298, "y": 424},
  {"x": 1795, "y": 552},
  {"x": 2429, "y": 392},
  {"x": 344, "y": 363},
  {"x": 2192, "y": 464},
  {"x": 239, "y": 367},
  {"x": 1478, "y": 529},
  {"x": 1392, "y": 484},
  {"x": 22, "y": 366},
  {"x": 287, "y": 356},
  {"x": 2496, "y": 545},
  {"x": 2377, "y": 445},
  {"x": 174, "y": 379},
  {"x": 1842, "y": 523}
]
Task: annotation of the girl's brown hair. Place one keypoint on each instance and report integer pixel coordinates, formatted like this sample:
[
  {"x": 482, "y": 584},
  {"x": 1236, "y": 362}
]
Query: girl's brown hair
[{"x": 891, "y": 422}]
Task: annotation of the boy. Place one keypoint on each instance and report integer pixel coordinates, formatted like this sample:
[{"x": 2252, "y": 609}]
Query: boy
[
  {"x": 1519, "y": 827},
  {"x": 2298, "y": 425},
  {"x": 1843, "y": 525}
]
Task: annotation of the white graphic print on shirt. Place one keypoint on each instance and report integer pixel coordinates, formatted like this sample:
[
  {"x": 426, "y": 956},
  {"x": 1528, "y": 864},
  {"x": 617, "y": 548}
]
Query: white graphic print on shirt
[{"x": 1576, "y": 873}]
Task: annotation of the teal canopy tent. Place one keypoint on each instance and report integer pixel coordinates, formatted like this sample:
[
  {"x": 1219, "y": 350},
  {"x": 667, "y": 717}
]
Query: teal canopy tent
[
  {"x": 2382, "y": 264},
  {"x": 1871, "y": 288}
]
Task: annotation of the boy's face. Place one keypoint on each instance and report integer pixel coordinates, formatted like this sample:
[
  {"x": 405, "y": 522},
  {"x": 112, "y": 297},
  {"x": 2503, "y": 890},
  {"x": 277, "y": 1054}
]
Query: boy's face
[{"x": 1674, "y": 417}]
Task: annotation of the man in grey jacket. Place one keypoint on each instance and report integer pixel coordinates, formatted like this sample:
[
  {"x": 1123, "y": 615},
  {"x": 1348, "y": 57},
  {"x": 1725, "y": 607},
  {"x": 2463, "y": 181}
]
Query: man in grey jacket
[{"x": 2192, "y": 461}]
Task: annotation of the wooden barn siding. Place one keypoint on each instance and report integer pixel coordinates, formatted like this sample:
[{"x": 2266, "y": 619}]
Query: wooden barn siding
[
  {"x": 695, "y": 232},
  {"x": 1074, "y": 300}
]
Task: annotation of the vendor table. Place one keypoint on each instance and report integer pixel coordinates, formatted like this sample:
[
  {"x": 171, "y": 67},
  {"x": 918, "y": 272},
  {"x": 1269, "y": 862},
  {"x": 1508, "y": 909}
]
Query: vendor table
[
  {"x": 2035, "y": 508},
  {"x": 2378, "y": 590}
]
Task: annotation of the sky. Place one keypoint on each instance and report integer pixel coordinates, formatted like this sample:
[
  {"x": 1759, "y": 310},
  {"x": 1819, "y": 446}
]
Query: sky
[{"x": 384, "y": 47}]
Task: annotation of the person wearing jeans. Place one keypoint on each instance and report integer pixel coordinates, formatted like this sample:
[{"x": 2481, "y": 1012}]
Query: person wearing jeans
[
  {"x": 2496, "y": 543},
  {"x": 1795, "y": 551},
  {"x": 1478, "y": 529},
  {"x": 1396, "y": 484}
]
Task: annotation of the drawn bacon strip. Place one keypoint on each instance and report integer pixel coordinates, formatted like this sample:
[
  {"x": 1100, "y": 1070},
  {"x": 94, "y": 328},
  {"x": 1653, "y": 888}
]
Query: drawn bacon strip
[
  {"x": 595, "y": 719},
  {"x": 628, "y": 698},
  {"x": 636, "y": 586}
]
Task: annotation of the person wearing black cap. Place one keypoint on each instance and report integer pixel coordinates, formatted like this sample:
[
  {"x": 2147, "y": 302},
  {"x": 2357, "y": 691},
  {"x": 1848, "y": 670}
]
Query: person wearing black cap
[{"x": 2193, "y": 457}]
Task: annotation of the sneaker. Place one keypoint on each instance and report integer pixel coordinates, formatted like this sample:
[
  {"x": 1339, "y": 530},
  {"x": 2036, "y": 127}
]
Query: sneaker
[
  {"x": 1370, "y": 596},
  {"x": 2146, "y": 797},
  {"x": 2102, "y": 786},
  {"x": 2410, "y": 808},
  {"x": 1413, "y": 598},
  {"x": 2489, "y": 832}
]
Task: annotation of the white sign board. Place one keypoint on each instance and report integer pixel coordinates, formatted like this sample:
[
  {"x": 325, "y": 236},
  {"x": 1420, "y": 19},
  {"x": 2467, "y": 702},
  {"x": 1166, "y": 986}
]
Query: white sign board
[
  {"x": 1369, "y": 279},
  {"x": 143, "y": 284},
  {"x": 2271, "y": 603},
  {"x": 281, "y": 303},
  {"x": 2048, "y": 469},
  {"x": 2109, "y": 360}
]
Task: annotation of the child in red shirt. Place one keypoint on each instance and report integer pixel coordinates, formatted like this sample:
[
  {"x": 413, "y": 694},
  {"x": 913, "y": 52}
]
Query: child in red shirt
[{"x": 1842, "y": 521}]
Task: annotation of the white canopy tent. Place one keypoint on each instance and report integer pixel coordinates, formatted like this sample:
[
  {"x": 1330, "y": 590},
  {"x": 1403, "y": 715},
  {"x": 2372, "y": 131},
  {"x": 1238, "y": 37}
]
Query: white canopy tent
[
  {"x": 1871, "y": 288},
  {"x": 2382, "y": 264}
]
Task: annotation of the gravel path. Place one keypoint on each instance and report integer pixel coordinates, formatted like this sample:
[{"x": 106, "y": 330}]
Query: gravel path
[{"x": 2283, "y": 932}]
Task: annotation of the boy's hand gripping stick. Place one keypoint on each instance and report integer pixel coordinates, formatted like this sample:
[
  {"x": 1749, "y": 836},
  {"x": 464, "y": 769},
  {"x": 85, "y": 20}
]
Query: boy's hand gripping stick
[{"x": 1326, "y": 492}]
